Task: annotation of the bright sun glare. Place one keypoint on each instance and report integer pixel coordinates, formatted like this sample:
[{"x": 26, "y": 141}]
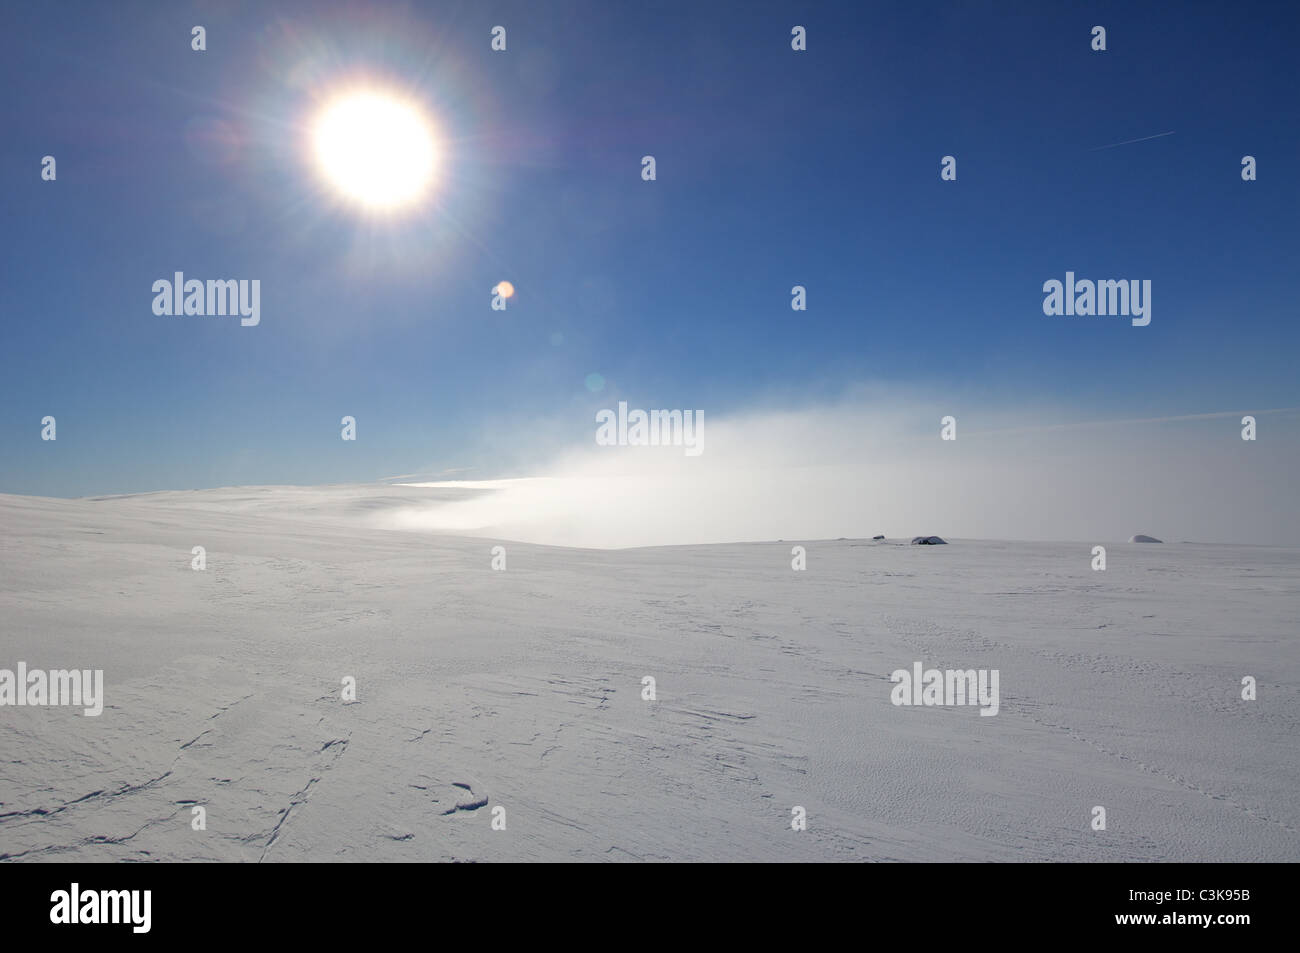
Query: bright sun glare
[{"x": 375, "y": 149}]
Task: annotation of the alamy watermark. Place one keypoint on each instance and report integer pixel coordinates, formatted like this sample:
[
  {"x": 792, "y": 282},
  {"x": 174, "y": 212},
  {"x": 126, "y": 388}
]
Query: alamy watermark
[
  {"x": 79, "y": 688},
  {"x": 218, "y": 297},
  {"x": 949, "y": 687},
  {"x": 1104, "y": 297},
  {"x": 655, "y": 428},
  {"x": 75, "y": 905}
]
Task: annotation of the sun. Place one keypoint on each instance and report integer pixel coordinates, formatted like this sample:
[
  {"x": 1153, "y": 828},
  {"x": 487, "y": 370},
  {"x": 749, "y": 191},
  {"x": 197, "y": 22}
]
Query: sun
[{"x": 376, "y": 149}]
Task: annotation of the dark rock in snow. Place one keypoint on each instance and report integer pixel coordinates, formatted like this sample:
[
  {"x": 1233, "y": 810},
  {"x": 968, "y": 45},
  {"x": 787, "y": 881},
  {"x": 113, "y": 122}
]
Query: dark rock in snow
[{"x": 928, "y": 541}]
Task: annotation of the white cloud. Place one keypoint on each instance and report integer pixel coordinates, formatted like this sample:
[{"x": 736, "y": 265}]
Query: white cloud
[{"x": 869, "y": 465}]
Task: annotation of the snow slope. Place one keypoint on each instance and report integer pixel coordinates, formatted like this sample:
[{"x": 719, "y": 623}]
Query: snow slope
[{"x": 522, "y": 689}]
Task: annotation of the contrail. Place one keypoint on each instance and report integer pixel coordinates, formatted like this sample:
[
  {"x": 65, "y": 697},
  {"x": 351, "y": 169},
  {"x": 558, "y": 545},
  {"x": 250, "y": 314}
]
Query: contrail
[
  {"x": 409, "y": 476},
  {"x": 1130, "y": 141},
  {"x": 1134, "y": 420}
]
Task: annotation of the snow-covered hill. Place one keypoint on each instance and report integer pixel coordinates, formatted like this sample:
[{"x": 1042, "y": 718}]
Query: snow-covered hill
[{"x": 523, "y": 689}]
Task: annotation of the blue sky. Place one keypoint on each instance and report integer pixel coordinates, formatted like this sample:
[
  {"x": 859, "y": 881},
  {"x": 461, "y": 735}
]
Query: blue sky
[{"x": 775, "y": 168}]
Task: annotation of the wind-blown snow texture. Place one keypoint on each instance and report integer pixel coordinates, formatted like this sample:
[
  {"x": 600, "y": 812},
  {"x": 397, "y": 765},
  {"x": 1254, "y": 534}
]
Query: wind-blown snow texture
[{"x": 522, "y": 689}]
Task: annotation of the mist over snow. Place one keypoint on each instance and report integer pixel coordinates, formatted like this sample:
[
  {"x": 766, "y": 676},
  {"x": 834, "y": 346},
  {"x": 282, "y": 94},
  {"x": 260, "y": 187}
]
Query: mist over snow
[{"x": 861, "y": 467}]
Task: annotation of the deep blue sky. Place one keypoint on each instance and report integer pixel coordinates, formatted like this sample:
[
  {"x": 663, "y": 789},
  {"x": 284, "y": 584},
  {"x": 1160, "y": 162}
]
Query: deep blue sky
[{"x": 775, "y": 168}]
